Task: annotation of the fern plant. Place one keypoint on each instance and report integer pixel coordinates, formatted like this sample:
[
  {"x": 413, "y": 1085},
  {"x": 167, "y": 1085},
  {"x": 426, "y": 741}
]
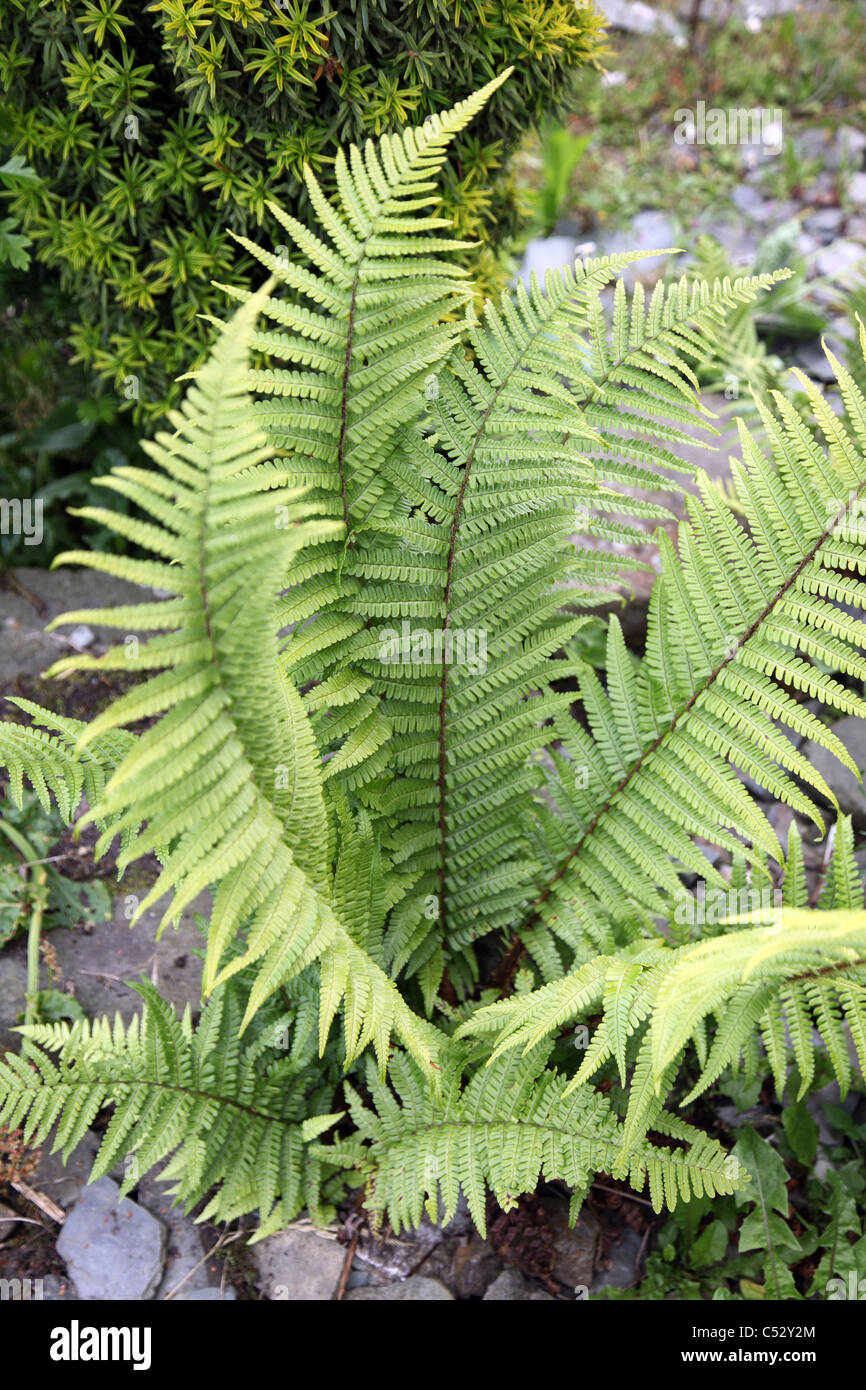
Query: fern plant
[{"x": 370, "y": 561}]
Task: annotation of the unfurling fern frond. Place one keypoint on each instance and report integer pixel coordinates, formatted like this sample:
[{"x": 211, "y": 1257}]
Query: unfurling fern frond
[
  {"x": 227, "y": 1115},
  {"x": 510, "y": 1125},
  {"x": 744, "y": 618}
]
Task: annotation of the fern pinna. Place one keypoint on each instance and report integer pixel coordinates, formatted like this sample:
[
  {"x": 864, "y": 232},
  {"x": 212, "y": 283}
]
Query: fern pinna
[{"x": 371, "y": 555}]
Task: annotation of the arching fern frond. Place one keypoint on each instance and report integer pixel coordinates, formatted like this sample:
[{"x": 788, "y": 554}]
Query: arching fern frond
[
  {"x": 509, "y": 1126},
  {"x": 230, "y": 1116},
  {"x": 742, "y": 619},
  {"x": 798, "y": 973},
  {"x": 228, "y": 779}
]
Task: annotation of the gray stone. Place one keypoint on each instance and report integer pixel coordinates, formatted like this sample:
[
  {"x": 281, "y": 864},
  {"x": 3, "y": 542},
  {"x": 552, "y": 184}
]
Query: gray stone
[
  {"x": 226, "y": 1295},
  {"x": 13, "y": 984},
  {"x": 857, "y": 229},
  {"x": 64, "y": 1183},
  {"x": 813, "y": 143},
  {"x": 838, "y": 260},
  {"x": 416, "y": 1289},
  {"x": 467, "y": 1266},
  {"x": 648, "y": 231},
  {"x": 184, "y": 1253},
  {"x": 81, "y": 637},
  {"x": 856, "y": 190},
  {"x": 812, "y": 359},
  {"x": 634, "y": 17},
  {"x": 98, "y": 962},
  {"x": 8, "y": 1221},
  {"x": 575, "y": 1249},
  {"x": 511, "y": 1287},
  {"x": 825, "y": 224},
  {"x": 113, "y": 1250},
  {"x": 298, "y": 1265},
  {"x": 34, "y": 597},
  {"x": 547, "y": 253},
  {"x": 849, "y": 147},
  {"x": 841, "y": 781},
  {"x": 623, "y": 1267},
  {"x": 57, "y": 1290},
  {"x": 395, "y": 1257},
  {"x": 751, "y": 203}
]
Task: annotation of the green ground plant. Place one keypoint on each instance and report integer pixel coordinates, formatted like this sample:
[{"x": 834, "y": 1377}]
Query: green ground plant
[{"x": 371, "y": 557}]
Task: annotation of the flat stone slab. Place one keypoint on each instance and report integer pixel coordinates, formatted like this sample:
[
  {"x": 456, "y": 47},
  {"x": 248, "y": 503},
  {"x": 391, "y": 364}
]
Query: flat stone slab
[
  {"x": 64, "y": 1183},
  {"x": 34, "y": 598},
  {"x": 227, "y": 1295},
  {"x": 112, "y": 1250},
  {"x": 511, "y": 1287},
  {"x": 185, "y": 1266},
  {"x": 416, "y": 1289},
  {"x": 297, "y": 1264},
  {"x": 98, "y": 961},
  {"x": 840, "y": 779}
]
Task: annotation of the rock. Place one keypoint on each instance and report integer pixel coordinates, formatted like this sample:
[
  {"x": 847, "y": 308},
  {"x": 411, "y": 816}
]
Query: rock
[
  {"x": 97, "y": 962},
  {"x": 634, "y": 17},
  {"x": 547, "y": 253},
  {"x": 64, "y": 1183},
  {"x": 575, "y": 1249},
  {"x": 623, "y": 1268},
  {"x": 738, "y": 239},
  {"x": 857, "y": 229},
  {"x": 297, "y": 1265},
  {"x": 751, "y": 203},
  {"x": 846, "y": 147},
  {"x": 416, "y": 1289},
  {"x": 113, "y": 1250},
  {"x": 511, "y": 1287},
  {"x": 840, "y": 780},
  {"x": 394, "y": 1258},
  {"x": 813, "y": 143},
  {"x": 849, "y": 147},
  {"x": 838, "y": 260},
  {"x": 81, "y": 637},
  {"x": 856, "y": 190},
  {"x": 825, "y": 224},
  {"x": 13, "y": 984},
  {"x": 184, "y": 1253},
  {"x": 648, "y": 231},
  {"x": 57, "y": 1290},
  {"x": 467, "y": 1266},
  {"x": 812, "y": 360},
  {"x": 26, "y": 649},
  {"x": 822, "y": 191},
  {"x": 8, "y": 1221},
  {"x": 226, "y": 1295}
]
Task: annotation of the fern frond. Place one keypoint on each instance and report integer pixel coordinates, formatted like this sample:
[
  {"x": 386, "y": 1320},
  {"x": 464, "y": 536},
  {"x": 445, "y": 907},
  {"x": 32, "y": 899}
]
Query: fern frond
[
  {"x": 740, "y": 618},
  {"x": 522, "y": 444},
  {"x": 229, "y": 1116},
  {"x": 510, "y": 1125},
  {"x": 228, "y": 780},
  {"x": 806, "y": 969}
]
